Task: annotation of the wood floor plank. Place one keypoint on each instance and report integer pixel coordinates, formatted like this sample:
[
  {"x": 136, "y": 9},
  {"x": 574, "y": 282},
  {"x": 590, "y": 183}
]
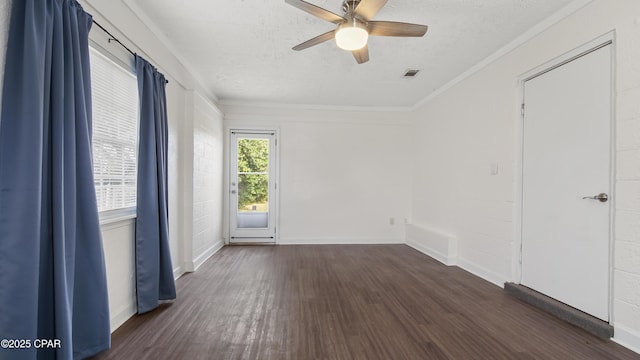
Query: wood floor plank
[{"x": 343, "y": 303}]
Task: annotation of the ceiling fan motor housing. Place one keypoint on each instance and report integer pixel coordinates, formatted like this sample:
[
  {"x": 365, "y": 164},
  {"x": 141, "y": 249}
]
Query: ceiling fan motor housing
[{"x": 349, "y": 6}]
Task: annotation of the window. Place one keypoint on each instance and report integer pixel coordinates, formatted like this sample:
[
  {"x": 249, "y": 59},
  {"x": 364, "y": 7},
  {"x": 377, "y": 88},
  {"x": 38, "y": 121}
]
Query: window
[{"x": 115, "y": 135}]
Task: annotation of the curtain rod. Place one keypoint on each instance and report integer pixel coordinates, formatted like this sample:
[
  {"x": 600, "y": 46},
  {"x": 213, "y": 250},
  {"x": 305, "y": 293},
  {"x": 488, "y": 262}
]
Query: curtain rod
[{"x": 117, "y": 41}]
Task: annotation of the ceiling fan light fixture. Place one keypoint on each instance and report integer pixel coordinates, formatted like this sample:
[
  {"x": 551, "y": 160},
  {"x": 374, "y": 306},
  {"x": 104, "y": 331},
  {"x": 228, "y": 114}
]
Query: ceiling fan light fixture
[
  {"x": 352, "y": 35},
  {"x": 355, "y": 26}
]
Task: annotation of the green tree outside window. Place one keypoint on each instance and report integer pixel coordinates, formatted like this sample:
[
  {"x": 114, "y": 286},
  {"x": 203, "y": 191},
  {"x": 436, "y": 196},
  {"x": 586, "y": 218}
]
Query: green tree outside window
[{"x": 253, "y": 174}]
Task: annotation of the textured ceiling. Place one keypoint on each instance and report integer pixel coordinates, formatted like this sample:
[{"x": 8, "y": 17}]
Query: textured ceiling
[{"x": 241, "y": 49}]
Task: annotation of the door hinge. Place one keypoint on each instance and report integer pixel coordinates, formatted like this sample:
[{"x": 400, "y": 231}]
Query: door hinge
[{"x": 522, "y": 110}]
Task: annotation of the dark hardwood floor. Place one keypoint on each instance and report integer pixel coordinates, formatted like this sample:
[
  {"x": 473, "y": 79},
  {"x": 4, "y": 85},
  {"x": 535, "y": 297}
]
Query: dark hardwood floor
[{"x": 367, "y": 302}]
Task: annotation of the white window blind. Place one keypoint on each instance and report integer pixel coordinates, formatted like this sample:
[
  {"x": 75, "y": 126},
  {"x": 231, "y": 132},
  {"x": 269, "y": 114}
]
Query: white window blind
[{"x": 115, "y": 133}]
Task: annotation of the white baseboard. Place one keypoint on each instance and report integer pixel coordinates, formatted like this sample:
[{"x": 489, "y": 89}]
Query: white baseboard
[
  {"x": 122, "y": 315},
  {"x": 432, "y": 253},
  {"x": 191, "y": 266},
  {"x": 481, "y": 272},
  {"x": 627, "y": 338},
  {"x": 438, "y": 245},
  {"x": 197, "y": 262},
  {"x": 338, "y": 241},
  {"x": 177, "y": 272}
]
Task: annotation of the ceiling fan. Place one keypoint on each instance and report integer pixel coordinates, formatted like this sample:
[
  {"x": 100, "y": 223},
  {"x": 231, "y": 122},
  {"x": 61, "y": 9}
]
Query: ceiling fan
[{"x": 355, "y": 26}]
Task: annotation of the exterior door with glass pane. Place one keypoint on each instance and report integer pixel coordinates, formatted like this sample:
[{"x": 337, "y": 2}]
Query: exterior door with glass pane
[{"x": 252, "y": 185}]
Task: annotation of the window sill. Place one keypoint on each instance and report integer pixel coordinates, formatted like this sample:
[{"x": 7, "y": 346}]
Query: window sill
[{"x": 118, "y": 215}]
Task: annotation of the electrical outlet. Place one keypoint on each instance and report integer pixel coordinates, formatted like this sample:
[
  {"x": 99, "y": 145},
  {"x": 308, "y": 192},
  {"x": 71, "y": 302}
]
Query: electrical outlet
[{"x": 392, "y": 221}]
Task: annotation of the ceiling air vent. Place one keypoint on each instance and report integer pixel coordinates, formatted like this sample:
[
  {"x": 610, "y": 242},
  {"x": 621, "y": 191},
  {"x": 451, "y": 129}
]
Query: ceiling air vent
[{"x": 411, "y": 73}]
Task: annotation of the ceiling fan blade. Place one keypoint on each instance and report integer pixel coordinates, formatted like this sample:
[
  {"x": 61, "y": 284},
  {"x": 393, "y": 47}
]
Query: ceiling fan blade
[
  {"x": 317, "y": 11},
  {"x": 362, "y": 55},
  {"x": 367, "y": 9},
  {"x": 392, "y": 28},
  {"x": 315, "y": 41}
]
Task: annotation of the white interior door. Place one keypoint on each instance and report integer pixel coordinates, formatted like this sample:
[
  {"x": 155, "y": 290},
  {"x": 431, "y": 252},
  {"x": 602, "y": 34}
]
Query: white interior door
[
  {"x": 252, "y": 205},
  {"x": 566, "y": 160}
]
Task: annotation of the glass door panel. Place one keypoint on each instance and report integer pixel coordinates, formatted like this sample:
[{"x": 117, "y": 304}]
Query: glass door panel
[{"x": 252, "y": 186}]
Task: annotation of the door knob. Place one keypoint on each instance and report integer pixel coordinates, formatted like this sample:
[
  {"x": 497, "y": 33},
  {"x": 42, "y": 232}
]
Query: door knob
[
  {"x": 233, "y": 191},
  {"x": 602, "y": 197}
]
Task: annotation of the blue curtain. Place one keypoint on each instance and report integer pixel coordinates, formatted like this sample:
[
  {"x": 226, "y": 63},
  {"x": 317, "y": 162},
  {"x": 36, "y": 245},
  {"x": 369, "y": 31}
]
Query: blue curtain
[
  {"x": 52, "y": 273},
  {"x": 153, "y": 258}
]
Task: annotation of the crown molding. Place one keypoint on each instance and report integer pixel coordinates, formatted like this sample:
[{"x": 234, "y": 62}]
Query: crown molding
[
  {"x": 158, "y": 33},
  {"x": 536, "y": 30},
  {"x": 289, "y": 106}
]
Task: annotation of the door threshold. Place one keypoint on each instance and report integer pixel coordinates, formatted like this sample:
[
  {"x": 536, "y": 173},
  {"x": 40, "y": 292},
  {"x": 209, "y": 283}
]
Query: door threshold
[
  {"x": 561, "y": 310},
  {"x": 251, "y": 244}
]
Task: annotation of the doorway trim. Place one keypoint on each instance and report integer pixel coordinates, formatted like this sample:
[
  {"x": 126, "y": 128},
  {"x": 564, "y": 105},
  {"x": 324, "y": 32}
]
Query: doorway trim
[
  {"x": 227, "y": 177},
  {"x": 597, "y": 43}
]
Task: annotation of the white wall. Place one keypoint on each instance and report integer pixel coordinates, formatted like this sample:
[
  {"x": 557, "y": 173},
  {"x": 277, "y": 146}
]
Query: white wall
[
  {"x": 458, "y": 134},
  {"x": 176, "y": 105},
  {"x": 119, "y": 252},
  {"x": 208, "y": 141},
  {"x": 193, "y": 120},
  {"x": 195, "y": 200},
  {"x": 118, "y": 238},
  {"x": 343, "y": 174}
]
